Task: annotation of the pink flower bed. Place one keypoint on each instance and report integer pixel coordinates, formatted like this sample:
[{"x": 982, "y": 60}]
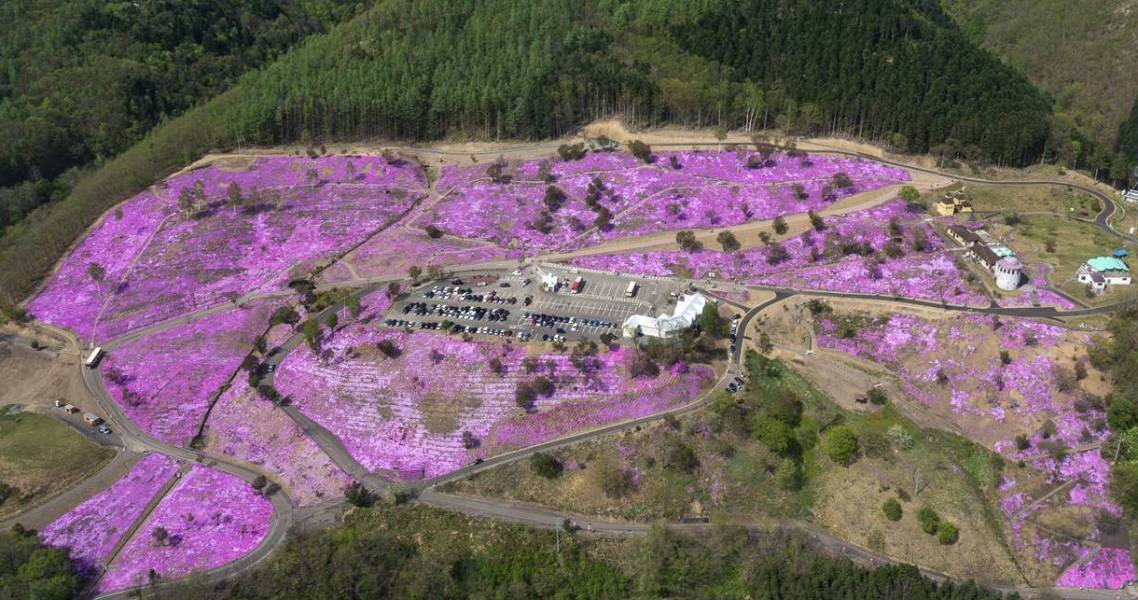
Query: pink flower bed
[
  {"x": 1037, "y": 298},
  {"x": 1110, "y": 568},
  {"x": 933, "y": 277},
  {"x": 164, "y": 381},
  {"x": 248, "y": 428},
  {"x": 211, "y": 519},
  {"x": 159, "y": 262},
  {"x": 406, "y": 415},
  {"x": 710, "y": 189},
  {"x": 870, "y": 226},
  {"x": 92, "y": 529}
]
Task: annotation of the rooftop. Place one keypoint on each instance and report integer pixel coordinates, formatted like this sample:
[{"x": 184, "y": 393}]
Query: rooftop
[{"x": 1108, "y": 263}]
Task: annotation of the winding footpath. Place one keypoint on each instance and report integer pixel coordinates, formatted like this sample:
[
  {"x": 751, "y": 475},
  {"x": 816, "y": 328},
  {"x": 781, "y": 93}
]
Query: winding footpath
[{"x": 285, "y": 517}]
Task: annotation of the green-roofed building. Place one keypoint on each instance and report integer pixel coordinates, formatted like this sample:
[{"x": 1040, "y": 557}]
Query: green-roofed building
[{"x": 1104, "y": 271}]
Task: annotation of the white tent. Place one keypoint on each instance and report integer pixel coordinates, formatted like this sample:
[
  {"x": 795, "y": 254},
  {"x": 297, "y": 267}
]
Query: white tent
[{"x": 687, "y": 312}]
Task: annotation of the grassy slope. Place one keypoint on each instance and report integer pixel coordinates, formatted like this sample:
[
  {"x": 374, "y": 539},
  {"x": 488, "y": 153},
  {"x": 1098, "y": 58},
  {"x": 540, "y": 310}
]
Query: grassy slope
[
  {"x": 41, "y": 456},
  {"x": 1080, "y": 52}
]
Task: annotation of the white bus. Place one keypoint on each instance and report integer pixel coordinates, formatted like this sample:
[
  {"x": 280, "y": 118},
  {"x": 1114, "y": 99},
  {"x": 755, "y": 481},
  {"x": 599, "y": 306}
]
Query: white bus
[
  {"x": 631, "y": 291},
  {"x": 93, "y": 358}
]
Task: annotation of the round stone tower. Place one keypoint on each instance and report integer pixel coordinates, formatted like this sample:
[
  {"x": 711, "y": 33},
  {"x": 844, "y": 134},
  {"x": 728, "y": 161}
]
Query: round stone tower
[{"x": 1009, "y": 272}]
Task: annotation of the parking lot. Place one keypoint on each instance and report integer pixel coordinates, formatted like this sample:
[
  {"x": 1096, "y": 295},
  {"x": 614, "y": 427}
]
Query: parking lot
[{"x": 518, "y": 305}]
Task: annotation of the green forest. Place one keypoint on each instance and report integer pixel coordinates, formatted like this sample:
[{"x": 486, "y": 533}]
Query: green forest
[
  {"x": 422, "y": 553},
  {"x": 487, "y": 69},
  {"x": 83, "y": 80}
]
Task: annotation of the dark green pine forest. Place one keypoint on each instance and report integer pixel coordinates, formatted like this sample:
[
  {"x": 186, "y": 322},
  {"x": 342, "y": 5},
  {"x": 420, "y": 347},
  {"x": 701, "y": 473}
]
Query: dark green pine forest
[{"x": 100, "y": 99}]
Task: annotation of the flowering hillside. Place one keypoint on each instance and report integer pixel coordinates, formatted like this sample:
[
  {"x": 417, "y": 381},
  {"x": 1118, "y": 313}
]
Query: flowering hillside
[
  {"x": 164, "y": 381},
  {"x": 1025, "y": 404},
  {"x": 183, "y": 245},
  {"x": 207, "y": 520},
  {"x": 91, "y": 530},
  {"x": 254, "y": 430},
  {"x": 408, "y": 414},
  {"x": 678, "y": 190}
]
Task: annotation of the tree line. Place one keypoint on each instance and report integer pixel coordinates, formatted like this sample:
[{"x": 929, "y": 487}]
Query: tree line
[
  {"x": 426, "y": 69},
  {"x": 82, "y": 81}
]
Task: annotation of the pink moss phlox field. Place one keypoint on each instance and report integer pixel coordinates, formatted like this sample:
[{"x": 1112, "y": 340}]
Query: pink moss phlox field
[
  {"x": 92, "y": 529},
  {"x": 709, "y": 189},
  {"x": 815, "y": 261},
  {"x": 1109, "y": 568},
  {"x": 407, "y": 415},
  {"x": 164, "y": 381},
  {"x": 252, "y": 429},
  {"x": 211, "y": 518},
  {"x": 159, "y": 261},
  {"x": 930, "y": 276}
]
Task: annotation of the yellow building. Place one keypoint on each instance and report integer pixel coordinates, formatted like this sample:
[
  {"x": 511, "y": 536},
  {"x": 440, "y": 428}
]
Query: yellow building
[{"x": 953, "y": 204}]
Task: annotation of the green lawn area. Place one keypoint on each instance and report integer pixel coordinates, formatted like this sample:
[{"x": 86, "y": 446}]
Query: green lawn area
[
  {"x": 1028, "y": 198},
  {"x": 41, "y": 456},
  {"x": 1074, "y": 242}
]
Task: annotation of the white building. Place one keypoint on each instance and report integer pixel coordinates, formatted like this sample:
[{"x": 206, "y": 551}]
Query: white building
[
  {"x": 1104, "y": 271},
  {"x": 1008, "y": 272},
  {"x": 686, "y": 313}
]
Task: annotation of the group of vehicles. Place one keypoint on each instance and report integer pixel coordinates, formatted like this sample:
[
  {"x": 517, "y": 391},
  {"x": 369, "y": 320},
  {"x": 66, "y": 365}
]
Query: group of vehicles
[
  {"x": 563, "y": 324},
  {"x": 735, "y": 385},
  {"x": 470, "y": 313},
  {"x": 455, "y": 328},
  {"x": 467, "y": 295},
  {"x": 89, "y": 418},
  {"x": 90, "y": 361},
  {"x": 734, "y": 332}
]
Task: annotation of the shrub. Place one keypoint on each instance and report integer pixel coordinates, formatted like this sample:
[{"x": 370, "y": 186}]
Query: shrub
[
  {"x": 777, "y": 253},
  {"x": 947, "y": 533},
  {"x": 545, "y": 465},
  {"x": 569, "y": 152},
  {"x": 680, "y": 457},
  {"x": 877, "y": 396},
  {"x": 910, "y": 194},
  {"x": 389, "y": 349},
  {"x": 816, "y": 220},
  {"x": 892, "y": 509},
  {"x": 728, "y": 241},
  {"x": 1005, "y": 357},
  {"x": 469, "y": 440},
  {"x": 358, "y": 495},
  {"x": 788, "y": 475},
  {"x": 686, "y": 240},
  {"x": 613, "y": 480},
  {"x": 780, "y": 226},
  {"x": 840, "y": 444},
  {"x": 773, "y": 433},
  {"x": 928, "y": 520},
  {"x": 640, "y": 150},
  {"x": 1022, "y": 443},
  {"x": 899, "y": 438}
]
